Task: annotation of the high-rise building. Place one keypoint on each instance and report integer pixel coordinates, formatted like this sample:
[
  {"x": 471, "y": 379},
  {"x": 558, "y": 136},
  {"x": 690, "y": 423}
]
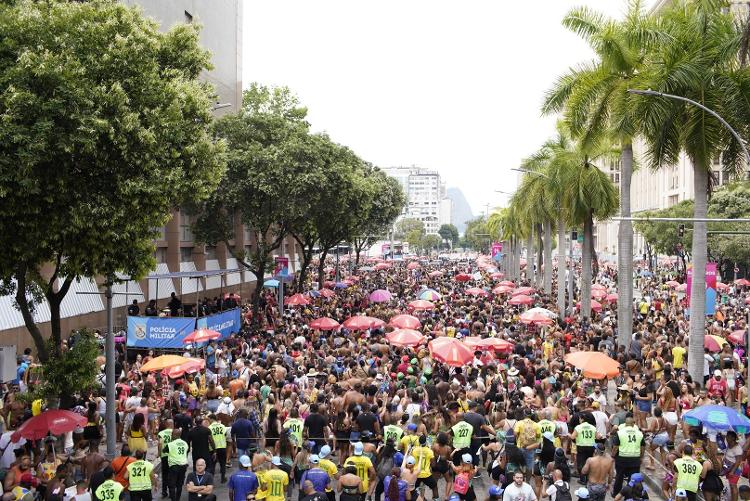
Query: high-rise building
[{"x": 425, "y": 195}]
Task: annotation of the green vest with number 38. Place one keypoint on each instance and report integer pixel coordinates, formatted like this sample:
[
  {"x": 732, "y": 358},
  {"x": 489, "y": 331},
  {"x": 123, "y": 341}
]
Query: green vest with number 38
[{"x": 688, "y": 473}]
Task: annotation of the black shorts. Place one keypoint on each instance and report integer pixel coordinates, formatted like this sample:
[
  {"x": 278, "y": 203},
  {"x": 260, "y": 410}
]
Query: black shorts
[
  {"x": 429, "y": 482},
  {"x": 441, "y": 467}
]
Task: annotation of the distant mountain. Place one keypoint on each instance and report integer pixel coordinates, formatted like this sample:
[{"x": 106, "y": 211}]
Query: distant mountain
[{"x": 461, "y": 209}]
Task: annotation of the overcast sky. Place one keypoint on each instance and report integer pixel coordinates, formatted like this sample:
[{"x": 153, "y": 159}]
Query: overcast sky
[{"x": 454, "y": 86}]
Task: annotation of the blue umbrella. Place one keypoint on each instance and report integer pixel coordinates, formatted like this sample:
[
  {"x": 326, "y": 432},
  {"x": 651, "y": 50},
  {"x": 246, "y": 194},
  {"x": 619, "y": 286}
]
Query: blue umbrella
[
  {"x": 719, "y": 418},
  {"x": 341, "y": 285},
  {"x": 313, "y": 293},
  {"x": 272, "y": 283},
  {"x": 646, "y": 273}
]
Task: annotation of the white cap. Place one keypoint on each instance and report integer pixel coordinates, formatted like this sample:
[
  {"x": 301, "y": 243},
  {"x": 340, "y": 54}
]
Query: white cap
[
  {"x": 466, "y": 458},
  {"x": 276, "y": 460},
  {"x": 358, "y": 449},
  {"x": 324, "y": 451},
  {"x": 410, "y": 460},
  {"x": 717, "y": 372},
  {"x": 314, "y": 459},
  {"x": 245, "y": 461}
]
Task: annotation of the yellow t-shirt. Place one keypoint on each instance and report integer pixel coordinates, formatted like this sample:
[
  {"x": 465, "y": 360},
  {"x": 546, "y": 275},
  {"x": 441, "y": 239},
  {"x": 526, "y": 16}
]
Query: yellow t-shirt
[
  {"x": 276, "y": 482},
  {"x": 363, "y": 465},
  {"x": 678, "y": 357},
  {"x": 329, "y": 467},
  {"x": 548, "y": 348},
  {"x": 262, "y": 491},
  {"x": 409, "y": 441},
  {"x": 527, "y": 432},
  {"x": 424, "y": 456}
]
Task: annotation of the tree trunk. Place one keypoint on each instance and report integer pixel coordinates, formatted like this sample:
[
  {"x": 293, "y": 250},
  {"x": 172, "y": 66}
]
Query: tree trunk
[
  {"x": 548, "y": 257},
  {"x": 625, "y": 252},
  {"x": 561, "y": 265},
  {"x": 321, "y": 265},
  {"x": 588, "y": 252},
  {"x": 28, "y": 317},
  {"x": 539, "y": 256},
  {"x": 530, "y": 256},
  {"x": 698, "y": 288},
  {"x": 260, "y": 276},
  {"x": 306, "y": 260},
  {"x": 517, "y": 260}
]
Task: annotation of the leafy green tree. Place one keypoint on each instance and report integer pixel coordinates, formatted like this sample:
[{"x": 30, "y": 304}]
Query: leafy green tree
[
  {"x": 73, "y": 372},
  {"x": 105, "y": 128},
  {"x": 408, "y": 225},
  {"x": 595, "y": 100},
  {"x": 449, "y": 234},
  {"x": 477, "y": 234},
  {"x": 430, "y": 242},
  {"x": 271, "y": 165},
  {"x": 698, "y": 61}
]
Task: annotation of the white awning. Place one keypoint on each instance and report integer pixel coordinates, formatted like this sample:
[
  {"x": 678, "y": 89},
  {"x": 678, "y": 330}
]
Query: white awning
[
  {"x": 165, "y": 285},
  {"x": 213, "y": 282},
  {"x": 130, "y": 287},
  {"x": 187, "y": 284},
  {"x": 90, "y": 299},
  {"x": 232, "y": 278}
]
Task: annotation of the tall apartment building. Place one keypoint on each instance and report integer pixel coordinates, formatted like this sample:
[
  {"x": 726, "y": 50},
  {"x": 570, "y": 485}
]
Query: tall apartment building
[
  {"x": 425, "y": 196},
  {"x": 176, "y": 250}
]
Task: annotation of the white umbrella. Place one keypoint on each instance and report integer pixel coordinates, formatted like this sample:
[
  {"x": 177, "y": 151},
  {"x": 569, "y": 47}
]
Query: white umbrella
[{"x": 542, "y": 311}]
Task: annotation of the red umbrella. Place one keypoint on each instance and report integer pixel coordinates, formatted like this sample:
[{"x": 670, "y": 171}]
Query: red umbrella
[
  {"x": 382, "y": 266},
  {"x": 405, "y": 322},
  {"x": 201, "y": 335},
  {"x": 421, "y": 304},
  {"x": 380, "y": 296},
  {"x": 462, "y": 277},
  {"x": 502, "y": 289},
  {"x": 536, "y": 318},
  {"x": 722, "y": 286},
  {"x": 612, "y": 298},
  {"x": 413, "y": 266},
  {"x": 487, "y": 343},
  {"x": 435, "y": 273},
  {"x": 330, "y": 284},
  {"x": 520, "y": 299},
  {"x": 523, "y": 290},
  {"x": 507, "y": 283},
  {"x": 737, "y": 337},
  {"x": 327, "y": 293},
  {"x": 324, "y": 324},
  {"x": 672, "y": 283},
  {"x": 595, "y": 305},
  {"x": 681, "y": 288},
  {"x": 598, "y": 294},
  {"x": 476, "y": 291},
  {"x": 497, "y": 275},
  {"x": 53, "y": 421},
  {"x": 598, "y": 287},
  {"x": 747, "y": 300},
  {"x": 742, "y": 282},
  {"x": 296, "y": 300},
  {"x": 361, "y": 323},
  {"x": 450, "y": 351},
  {"x": 189, "y": 366},
  {"x": 405, "y": 337}
]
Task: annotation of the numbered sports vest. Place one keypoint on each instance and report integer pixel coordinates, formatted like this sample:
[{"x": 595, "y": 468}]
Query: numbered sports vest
[
  {"x": 109, "y": 491},
  {"x": 545, "y": 425},
  {"x": 219, "y": 434},
  {"x": 462, "y": 432},
  {"x": 177, "y": 452},
  {"x": 294, "y": 425},
  {"x": 585, "y": 435},
  {"x": 392, "y": 432},
  {"x": 166, "y": 437},
  {"x": 139, "y": 475},
  {"x": 688, "y": 473},
  {"x": 631, "y": 439}
]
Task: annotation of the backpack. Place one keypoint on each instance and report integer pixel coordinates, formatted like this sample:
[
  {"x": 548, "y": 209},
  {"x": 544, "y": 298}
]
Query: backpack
[
  {"x": 563, "y": 492},
  {"x": 461, "y": 484},
  {"x": 384, "y": 467},
  {"x": 528, "y": 434}
]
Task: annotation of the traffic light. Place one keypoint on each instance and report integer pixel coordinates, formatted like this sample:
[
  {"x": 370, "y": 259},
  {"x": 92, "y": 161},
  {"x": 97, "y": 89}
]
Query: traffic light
[{"x": 681, "y": 230}]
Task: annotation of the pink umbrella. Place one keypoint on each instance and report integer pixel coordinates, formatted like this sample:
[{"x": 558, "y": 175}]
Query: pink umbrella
[
  {"x": 672, "y": 283},
  {"x": 330, "y": 284},
  {"x": 595, "y": 305},
  {"x": 536, "y": 318},
  {"x": 681, "y": 288},
  {"x": 361, "y": 323},
  {"x": 382, "y": 266},
  {"x": 413, "y": 266},
  {"x": 497, "y": 275},
  {"x": 327, "y": 293},
  {"x": 296, "y": 300},
  {"x": 598, "y": 294},
  {"x": 742, "y": 282},
  {"x": 737, "y": 337},
  {"x": 722, "y": 286},
  {"x": 598, "y": 287},
  {"x": 53, "y": 421},
  {"x": 747, "y": 300},
  {"x": 435, "y": 273},
  {"x": 421, "y": 304},
  {"x": 405, "y": 337},
  {"x": 523, "y": 290},
  {"x": 190, "y": 366},
  {"x": 488, "y": 343},
  {"x": 324, "y": 324},
  {"x": 462, "y": 277},
  {"x": 612, "y": 298},
  {"x": 405, "y": 322},
  {"x": 450, "y": 351},
  {"x": 201, "y": 335},
  {"x": 501, "y": 289},
  {"x": 520, "y": 299},
  {"x": 476, "y": 291},
  {"x": 380, "y": 296},
  {"x": 507, "y": 283}
]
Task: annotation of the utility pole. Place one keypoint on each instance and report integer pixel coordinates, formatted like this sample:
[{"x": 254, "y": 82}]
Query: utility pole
[{"x": 110, "y": 372}]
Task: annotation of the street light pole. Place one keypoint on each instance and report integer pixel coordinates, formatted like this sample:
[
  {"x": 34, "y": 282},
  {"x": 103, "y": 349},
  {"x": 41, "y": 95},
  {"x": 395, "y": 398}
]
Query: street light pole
[{"x": 110, "y": 420}]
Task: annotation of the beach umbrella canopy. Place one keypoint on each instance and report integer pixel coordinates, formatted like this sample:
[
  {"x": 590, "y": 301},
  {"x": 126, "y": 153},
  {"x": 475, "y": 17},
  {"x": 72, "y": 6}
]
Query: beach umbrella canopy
[
  {"x": 595, "y": 305},
  {"x": 413, "y": 266},
  {"x": 611, "y": 298},
  {"x": 162, "y": 362},
  {"x": 330, "y": 284},
  {"x": 189, "y": 366},
  {"x": 487, "y": 343},
  {"x": 502, "y": 289},
  {"x": 380, "y": 296},
  {"x": 296, "y": 300},
  {"x": 362, "y": 323},
  {"x": 405, "y": 337},
  {"x": 520, "y": 299},
  {"x": 737, "y": 337},
  {"x": 421, "y": 304},
  {"x": 313, "y": 293},
  {"x": 451, "y": 351},
  {"x": 598, "y": 287},
  {"x": 405, "y": 322},
  {"x": 544, "y": 311},
  {"x": 523, "y": 290},
  {"x": 743, "y": 282},
  {"x": 717, "y": 418},
  {"x": 327, "y": 293},
  {"x": 271, "y": 283},
  {"x": 722, "y": 286},
  {"x": 53, "y": 421},
  {"x": 324, "y": 324},
  {"x": 598, "y": 294},
  {"x": 681, "y": 288},
  {"x": 535, "y": 318},
  {"x": 747, "y": 300},
  {"x": 382, "y": 266},
  {"x": 476, "y": 291},
  {"x": 507, "y": 283},
  {"x": 713, "y": 343},
  {"x": 201, "y": 336},
  {"x": 462, "y": 277},
  {"x": 435, "y": 273},
  {"x": 497, "y": 275},
  {"x": 429, "y": 295},
  {"x": 342, "y": 285},
  {"x": 593, "y": 364},
  {"x": 672, "y": 283}
]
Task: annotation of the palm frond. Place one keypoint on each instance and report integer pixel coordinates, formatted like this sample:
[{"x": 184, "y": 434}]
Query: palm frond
[{"x": 584, "y": 22}]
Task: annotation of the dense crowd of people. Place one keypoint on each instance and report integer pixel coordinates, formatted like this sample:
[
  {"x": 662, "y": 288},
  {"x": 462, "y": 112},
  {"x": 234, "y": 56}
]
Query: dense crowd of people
[{"x": 286, "y": 411}]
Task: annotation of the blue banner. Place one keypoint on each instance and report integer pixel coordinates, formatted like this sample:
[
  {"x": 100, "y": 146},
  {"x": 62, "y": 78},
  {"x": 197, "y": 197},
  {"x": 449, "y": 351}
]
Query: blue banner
[
  {"x": 156, "y": 332},
  {"x": 225, "y": 322}
]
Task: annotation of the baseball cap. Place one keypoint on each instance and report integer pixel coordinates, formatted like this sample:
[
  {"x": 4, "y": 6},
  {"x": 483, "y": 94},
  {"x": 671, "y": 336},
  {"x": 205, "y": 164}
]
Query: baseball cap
[
  {"x": 227, "y": 400},
  {"x": 454, "y": 497},
  {"x": 559, "y": 452},
  {"x": 680, "y": 493},
  {"x": 582, "y": 493},
  {"x": 635, "y": 478},
  {"x": 410, "y": 460},
  {"x": 717, "y": 372},
  {"x": 398, "y": 459},
  {"x": 314, "y": 459},
  {"x": 276, "y": 460},
  {"x": 245, "y": 461},
  {"x": 358, "y": 449},
  {"x": 324, "y": 451},
  {"x": 466, "y": 458},
  {"x": 411, "y": 427},
  {"x": 548, "y": 435},
  {"x": 495, "y": 490}
]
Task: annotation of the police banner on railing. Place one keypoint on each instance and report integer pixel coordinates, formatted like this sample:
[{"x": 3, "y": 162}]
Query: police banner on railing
[
  {"x": 158, "y": 332},
  {"x": 225, "y": 322}
]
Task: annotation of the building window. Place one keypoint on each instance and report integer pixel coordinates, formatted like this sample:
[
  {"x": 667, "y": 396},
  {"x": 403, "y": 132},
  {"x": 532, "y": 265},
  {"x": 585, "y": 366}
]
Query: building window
[
  {"x": 161, "y": 255},
  {"x": 673, "y": 200},
  {"x": 186, "y": 254},
  {"x": 186, "y": 232},
  {"x": 210, "y": 252},
  {"x": 188, "y": 17}
]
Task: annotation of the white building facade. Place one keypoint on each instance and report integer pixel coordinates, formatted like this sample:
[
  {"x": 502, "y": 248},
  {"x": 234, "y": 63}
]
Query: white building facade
[{"x": 426, "y": 198}]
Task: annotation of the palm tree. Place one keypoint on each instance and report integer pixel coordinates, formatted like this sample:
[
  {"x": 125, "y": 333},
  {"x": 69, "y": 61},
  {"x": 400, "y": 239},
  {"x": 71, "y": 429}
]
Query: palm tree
[
  {"x": 534, "y": 203},
  {"x": 595, "y": 102},
  {"x": 701, "y": 61}
]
